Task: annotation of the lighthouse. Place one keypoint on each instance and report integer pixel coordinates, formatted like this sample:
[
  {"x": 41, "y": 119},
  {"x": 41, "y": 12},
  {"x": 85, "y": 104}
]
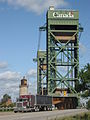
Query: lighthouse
[{"x": 23, "y": 88}]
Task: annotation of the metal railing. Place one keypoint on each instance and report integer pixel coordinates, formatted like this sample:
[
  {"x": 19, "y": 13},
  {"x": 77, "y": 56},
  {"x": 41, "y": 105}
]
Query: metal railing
[{"x": 6, "y": 109}]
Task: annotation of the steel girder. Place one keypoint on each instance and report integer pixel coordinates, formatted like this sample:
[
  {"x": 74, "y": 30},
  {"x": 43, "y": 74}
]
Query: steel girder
[
  {"x": 41, "y": 73},
  {"x": 70, "y": 52}
]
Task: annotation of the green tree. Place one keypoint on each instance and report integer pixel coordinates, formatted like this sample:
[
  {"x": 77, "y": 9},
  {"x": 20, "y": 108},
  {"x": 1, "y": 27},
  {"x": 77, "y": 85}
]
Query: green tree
[
  {"x": 5, "y": 98},
  {"x": 84, "y": 76},
  {"x": 88, "y": 105}
]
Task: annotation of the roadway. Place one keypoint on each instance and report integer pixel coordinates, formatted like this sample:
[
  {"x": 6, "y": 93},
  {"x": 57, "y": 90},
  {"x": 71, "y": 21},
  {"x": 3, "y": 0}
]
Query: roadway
[{"x": 46, "y": 115}]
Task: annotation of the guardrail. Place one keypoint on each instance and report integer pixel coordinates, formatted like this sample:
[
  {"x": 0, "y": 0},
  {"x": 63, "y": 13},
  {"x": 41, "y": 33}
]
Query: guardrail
[{"x": 6, "y": 109}]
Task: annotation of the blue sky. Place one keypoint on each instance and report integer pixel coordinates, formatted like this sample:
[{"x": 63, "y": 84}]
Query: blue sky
[{"x": 19, "y": 23}]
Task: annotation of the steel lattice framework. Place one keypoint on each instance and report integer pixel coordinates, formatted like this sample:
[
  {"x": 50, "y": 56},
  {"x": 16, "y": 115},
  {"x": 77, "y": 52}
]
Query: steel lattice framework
[
  {"x": 62, "y": 50},
  {"x": 58, "y": 66},
  {"x": 41, "y": 72}
]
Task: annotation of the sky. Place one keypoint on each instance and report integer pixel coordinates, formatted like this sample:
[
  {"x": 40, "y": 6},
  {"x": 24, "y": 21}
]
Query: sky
[{"x": 19, "y": 24}]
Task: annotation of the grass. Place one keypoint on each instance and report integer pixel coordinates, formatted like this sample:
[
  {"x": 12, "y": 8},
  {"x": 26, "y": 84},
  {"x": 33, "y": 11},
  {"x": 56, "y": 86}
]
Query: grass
[{"x": 83, "y": 116}]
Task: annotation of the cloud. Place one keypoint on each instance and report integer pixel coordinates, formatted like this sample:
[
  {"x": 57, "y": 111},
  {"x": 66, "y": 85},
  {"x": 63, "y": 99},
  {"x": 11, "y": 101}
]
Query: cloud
[
  {"x": 3, "y": 65},
  {"x": 37, "y": 6},
  {"x": 82, "y": 49},
  {"x": 9, "y": 75},
  {"x": 12, "y": 85},
  {"x": 32, "y": 73},
  {"x": 9, "y": 83},
  {"x": 31, "y": 77}
]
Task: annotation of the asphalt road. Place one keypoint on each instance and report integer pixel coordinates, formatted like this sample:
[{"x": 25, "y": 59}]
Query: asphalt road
[{"x": 46, "y": 115}]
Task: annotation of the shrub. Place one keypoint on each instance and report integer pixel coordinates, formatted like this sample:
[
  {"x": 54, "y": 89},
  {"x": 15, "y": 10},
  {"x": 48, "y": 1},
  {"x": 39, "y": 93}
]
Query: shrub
[{"x": 88, "y": 105}]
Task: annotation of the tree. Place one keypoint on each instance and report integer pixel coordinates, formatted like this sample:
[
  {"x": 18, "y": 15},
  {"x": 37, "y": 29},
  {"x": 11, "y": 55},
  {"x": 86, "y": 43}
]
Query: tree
[
  {"x": 5, "y": 98},
  {"x": 88, "y": 105},
  {"x": 86, "y": 93},
  {"x": 84, "y": 76}
]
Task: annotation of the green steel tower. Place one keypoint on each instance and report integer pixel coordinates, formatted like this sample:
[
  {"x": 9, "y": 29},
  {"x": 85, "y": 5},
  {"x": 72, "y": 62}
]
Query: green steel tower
[
  {"x": 58, "y": 66},
  {"x": 62, "y": 49},
  {"x": 41, "y": 73}
]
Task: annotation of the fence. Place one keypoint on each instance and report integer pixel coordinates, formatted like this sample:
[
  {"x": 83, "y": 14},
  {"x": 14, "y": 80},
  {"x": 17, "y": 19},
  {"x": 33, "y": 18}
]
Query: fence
[{"x": 6, "y": 109}]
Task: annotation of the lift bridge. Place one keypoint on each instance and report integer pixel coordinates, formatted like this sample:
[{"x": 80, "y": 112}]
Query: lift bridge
[{"x": 58, "y": 65}]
